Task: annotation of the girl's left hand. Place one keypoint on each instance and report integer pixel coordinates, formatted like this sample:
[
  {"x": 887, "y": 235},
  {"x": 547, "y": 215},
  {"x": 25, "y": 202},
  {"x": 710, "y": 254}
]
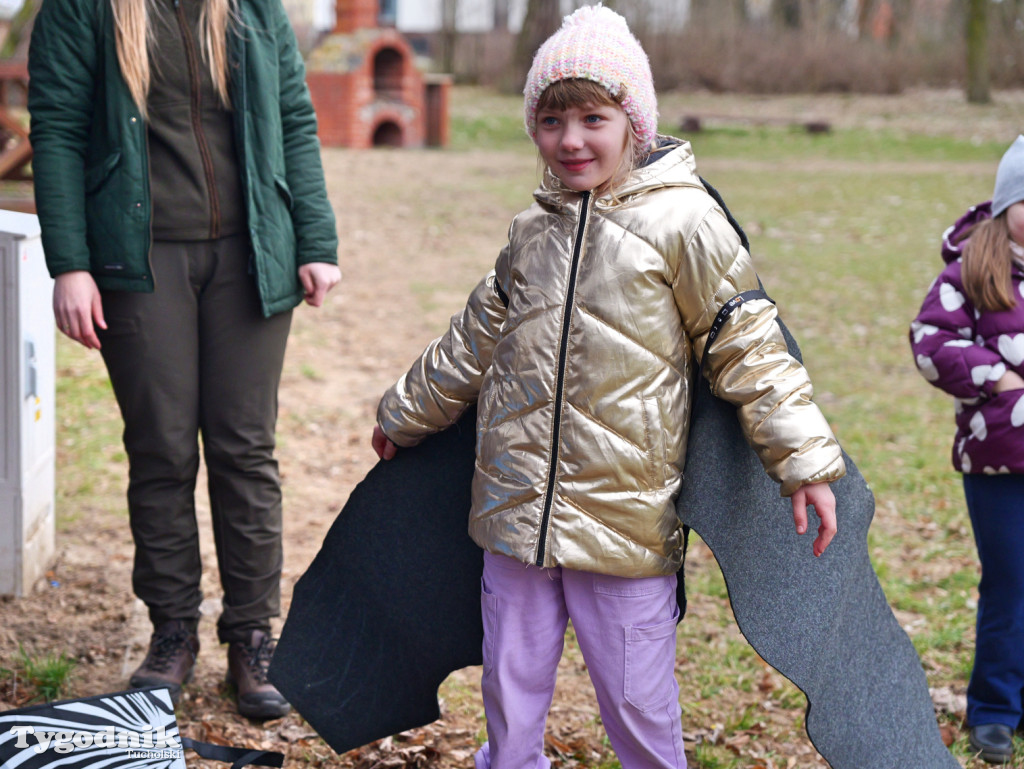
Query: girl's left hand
[
  {"x": 824, "y": 501},
  {"x": 317, "y": 279}
]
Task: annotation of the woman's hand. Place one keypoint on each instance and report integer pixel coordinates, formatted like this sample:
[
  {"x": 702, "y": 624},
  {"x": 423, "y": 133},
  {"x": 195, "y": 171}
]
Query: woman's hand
[
  {"x": 824, "y": 501},
  {"x": 317, "y": 279},
  {"x": 1011, "y": 380},
  {"x": 382, "y": 444},
  {"x": 78, "y": 308}
]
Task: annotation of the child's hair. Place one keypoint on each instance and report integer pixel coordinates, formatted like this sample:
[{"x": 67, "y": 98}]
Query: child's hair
[
  {"x": 133, "y": 34},
  {"x": 987, "y": 261},
  {"x": 577, "y": 92}
]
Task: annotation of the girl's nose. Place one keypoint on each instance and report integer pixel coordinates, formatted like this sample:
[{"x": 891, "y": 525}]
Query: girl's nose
[{"x": 572, "y": 138}]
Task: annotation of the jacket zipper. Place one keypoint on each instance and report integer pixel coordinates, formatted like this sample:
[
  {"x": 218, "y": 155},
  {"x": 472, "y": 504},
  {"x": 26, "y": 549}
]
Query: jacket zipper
[
  {"x": 197, "y": 119},
  {"x": 563, "y": 345}
]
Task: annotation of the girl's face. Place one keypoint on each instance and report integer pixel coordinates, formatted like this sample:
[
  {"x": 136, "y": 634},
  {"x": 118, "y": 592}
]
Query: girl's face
[
  {"x": 583, "y": 146},
  {"x": 1015, "y": 221}
]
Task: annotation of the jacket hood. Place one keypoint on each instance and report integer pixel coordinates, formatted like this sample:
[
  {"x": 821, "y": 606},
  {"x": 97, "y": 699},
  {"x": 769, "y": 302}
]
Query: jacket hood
[
  {"x": 953, "y": 238},
  {"x": 670, "y": 164}
]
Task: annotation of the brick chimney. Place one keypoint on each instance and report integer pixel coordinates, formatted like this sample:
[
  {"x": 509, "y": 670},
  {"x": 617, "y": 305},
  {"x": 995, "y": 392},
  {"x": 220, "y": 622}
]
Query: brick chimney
[{"x": 353, "y": 15}]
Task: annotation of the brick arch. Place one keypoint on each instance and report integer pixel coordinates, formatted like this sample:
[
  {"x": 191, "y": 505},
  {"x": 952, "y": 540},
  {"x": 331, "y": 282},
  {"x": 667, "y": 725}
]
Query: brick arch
[
  {"x": 388, "y": 133},
  {"x": 389, "y": 67}
]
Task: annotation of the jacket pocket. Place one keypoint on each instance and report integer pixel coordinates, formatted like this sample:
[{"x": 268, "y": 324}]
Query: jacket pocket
[
  {"x": 284, "y": 191},
  {"x": 654, "y": 441},
  {"x": 95, "y": 176}
]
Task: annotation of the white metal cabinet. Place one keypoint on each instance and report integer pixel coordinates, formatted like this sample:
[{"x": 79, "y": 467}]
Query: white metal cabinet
[{"x": 27, "y": 401}]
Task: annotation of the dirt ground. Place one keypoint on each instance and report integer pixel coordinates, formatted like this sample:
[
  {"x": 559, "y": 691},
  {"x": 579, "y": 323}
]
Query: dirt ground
[{"x": 408, "y": 261}]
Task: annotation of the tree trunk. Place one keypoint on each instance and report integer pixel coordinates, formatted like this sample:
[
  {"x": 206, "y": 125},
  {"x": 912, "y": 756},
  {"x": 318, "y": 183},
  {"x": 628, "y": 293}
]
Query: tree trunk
[
  {"x": 449, "y": 34},
  {"x": 542, "y": 18},
  {"x": 978, "y": 90},
  {"x": 901, "y": 21},
  {"x": 865, "y": 9},
  {"x": 787, "y": 13},
  {"x": 501, "y": 15},
  {"x": 20, "y": 24}
]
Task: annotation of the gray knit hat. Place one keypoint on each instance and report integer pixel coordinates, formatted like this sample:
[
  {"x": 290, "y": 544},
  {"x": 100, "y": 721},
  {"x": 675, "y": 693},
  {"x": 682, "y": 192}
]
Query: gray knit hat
[{"x": 1009, "y": 178}]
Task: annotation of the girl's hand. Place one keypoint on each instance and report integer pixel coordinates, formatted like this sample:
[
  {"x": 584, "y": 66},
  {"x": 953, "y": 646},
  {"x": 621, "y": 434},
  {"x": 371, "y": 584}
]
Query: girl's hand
[
  {"x": 1011, "y": 380},
  {"x": 821, "y": 497},
  {"x": 77, "y": 306},
  {"x": 317, "y": 279},
  {"x": 382, "y": 444}
]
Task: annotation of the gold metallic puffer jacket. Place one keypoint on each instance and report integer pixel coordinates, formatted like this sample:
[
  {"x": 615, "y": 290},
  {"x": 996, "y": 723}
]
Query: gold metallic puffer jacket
[{"x": 579, "y": 350}]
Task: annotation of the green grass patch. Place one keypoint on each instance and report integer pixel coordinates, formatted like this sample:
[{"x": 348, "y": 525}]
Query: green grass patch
[{"x": 46, "y": 676}]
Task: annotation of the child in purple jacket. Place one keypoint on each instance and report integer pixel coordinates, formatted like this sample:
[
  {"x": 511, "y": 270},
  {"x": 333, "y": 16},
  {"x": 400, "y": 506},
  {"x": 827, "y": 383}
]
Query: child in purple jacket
[{"x": 968, "y": 340}]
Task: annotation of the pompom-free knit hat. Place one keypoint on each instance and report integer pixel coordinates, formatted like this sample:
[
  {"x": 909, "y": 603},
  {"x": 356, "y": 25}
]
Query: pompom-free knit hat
[
  {"x": 1009, "y": 178},
  {"x": 594, "y": 43}
]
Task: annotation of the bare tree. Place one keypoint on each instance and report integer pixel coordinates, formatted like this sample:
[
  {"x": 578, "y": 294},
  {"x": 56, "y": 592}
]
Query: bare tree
[
  {"x": 19, "y": 27},
  {"x": 501, "y": 15},
  {"x": 978, "y": 89},
  {"x": 865, "y": 11},
  {"x": 902, "y": 13},
  {"x": 787, "y": 13},
  {"x": 542, "y": 18},
  {"x": 449, "y": 33}
]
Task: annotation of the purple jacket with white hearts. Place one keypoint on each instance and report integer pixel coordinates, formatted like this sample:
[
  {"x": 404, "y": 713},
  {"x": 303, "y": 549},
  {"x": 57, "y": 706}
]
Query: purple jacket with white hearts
[{"x": 965, "y": 351}]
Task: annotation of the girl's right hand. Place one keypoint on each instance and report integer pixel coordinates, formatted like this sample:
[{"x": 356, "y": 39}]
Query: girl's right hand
[
  {"x": 1011, "y": 380},
  {"x": 382, "y": 444},
  {"x": 77, "y": 306}
]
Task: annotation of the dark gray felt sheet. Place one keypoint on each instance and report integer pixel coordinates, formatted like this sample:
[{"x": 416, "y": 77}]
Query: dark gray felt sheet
[
  {"x": 390, "y": 605},
  {"x": 824, "y": 623}
]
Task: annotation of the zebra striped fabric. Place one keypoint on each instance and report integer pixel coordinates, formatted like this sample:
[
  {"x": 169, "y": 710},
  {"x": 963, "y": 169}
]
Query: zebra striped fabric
[{"x": 127, "y": 730}]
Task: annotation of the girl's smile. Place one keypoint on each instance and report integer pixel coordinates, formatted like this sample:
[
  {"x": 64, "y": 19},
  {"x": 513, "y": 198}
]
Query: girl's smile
[{"x": 583, "y": 146}]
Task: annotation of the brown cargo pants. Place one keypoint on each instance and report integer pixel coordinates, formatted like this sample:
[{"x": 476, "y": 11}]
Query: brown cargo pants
[{"x": 197, "y": 358}]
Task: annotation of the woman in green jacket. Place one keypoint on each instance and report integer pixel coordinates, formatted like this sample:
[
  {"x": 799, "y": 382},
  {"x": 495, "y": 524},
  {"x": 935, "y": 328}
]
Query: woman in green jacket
[{"x": 184, "y": 215}]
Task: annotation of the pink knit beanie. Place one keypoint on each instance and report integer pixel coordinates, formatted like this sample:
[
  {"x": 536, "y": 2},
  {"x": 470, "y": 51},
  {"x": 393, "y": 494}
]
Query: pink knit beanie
[{"x": 594, "y": 43}]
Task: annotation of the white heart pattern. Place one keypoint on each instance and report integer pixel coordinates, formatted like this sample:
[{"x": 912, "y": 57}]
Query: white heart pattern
[
  {"x": 965, "y": 462},
  {"x": 952, "y": 300},
  {"x": 979, "y": 429},
  {"x": 921, "y": 330},
  {"x": 1017, "y": 415},
  {"x": 1012, "y": 348},
  {"x": 980, "y": 374},
  {"x": 927, "y": 368}
]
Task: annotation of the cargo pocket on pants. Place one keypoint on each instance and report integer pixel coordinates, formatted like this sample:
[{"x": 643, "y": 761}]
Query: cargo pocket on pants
[{"x": 650, "y": 665}]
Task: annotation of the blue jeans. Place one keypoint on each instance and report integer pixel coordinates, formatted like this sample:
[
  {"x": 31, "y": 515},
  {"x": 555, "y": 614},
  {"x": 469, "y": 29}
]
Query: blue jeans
[{"x": 996, "y": 506}]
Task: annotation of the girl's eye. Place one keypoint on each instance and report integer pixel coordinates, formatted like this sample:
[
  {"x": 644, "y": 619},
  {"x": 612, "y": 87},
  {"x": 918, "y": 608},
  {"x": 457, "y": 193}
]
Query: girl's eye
[
  {"x": 593, "y": 119},
  {"x": 548, "y": 120}
]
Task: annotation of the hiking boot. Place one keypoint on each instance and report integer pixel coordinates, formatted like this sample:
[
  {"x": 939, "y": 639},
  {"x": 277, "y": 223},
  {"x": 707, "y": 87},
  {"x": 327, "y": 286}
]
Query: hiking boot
[
  {"x": 248, "y": 663},
  {"x": 171, "y": 658}
]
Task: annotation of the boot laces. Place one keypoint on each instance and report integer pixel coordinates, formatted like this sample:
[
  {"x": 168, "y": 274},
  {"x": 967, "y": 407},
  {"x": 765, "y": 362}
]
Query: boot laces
[
  {"x": 165, "y": 648},
  {"x": 258, "y": 657}
]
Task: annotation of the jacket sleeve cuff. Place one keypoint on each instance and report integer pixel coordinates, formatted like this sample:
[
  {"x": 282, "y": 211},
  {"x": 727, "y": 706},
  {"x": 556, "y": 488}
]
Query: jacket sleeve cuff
[{"x": 833, "y": 471}]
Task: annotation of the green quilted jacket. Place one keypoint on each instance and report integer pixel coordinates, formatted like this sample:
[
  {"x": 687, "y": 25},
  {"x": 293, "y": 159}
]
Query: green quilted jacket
[{"x": 90, "y": 157}]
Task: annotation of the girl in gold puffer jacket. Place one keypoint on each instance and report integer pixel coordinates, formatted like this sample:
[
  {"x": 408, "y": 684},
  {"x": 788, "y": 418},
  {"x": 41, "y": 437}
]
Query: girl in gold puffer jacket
[{"x": 579, "y": 350}]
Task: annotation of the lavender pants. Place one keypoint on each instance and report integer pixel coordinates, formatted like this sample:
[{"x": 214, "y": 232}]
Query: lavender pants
[{"x": 626, "y": 629}]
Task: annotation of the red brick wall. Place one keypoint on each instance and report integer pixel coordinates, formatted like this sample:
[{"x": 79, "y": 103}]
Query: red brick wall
[{"x": 351, "y": 15}]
